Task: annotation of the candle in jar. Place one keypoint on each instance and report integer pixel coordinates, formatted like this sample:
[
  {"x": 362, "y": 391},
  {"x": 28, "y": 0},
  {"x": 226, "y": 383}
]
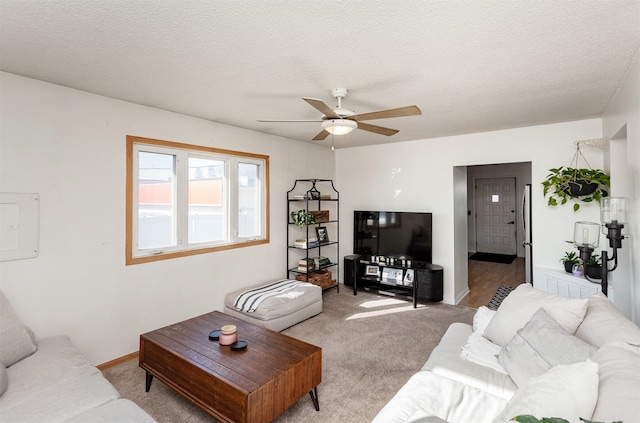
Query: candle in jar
[{"x": 228, "y": 335}]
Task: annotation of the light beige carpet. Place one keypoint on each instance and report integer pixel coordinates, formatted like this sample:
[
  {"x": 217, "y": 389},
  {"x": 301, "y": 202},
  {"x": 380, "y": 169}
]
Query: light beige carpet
[{"x": 371, "y": 345}]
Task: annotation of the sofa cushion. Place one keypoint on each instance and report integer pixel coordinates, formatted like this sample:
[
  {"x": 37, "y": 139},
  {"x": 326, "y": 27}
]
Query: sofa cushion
[
  {"x": 55, "y": 383},
  {"x": 4, "y": 379},
  {"x": 603, "y": 323},
  {"x": 120, "y": 410},
  {"x": 422, "y": 416},
  {"x": 566, "y": 391},
  {"x": 540, "y": 345},
  {"x": 15, "y": 342},
  {"x": 445, "y": 360},
  {"x": 522, "y": 303},
  {"x": 436, "y": 395},
  {"x": 619, "y": 389}
]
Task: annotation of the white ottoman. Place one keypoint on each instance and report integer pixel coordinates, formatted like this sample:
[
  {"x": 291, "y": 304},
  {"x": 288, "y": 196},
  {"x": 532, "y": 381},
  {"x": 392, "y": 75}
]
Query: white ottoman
[{"x": 279, "y": 311}]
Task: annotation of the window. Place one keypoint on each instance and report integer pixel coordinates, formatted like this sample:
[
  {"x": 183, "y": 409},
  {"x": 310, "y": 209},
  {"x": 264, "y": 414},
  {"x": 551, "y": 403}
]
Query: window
[{"x": 186, "y": 199}]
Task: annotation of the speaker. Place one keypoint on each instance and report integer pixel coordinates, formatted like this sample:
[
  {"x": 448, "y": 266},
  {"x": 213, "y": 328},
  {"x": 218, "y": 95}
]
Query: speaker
[
  {"x": 350, "y": 266},
  {"x": 430, "y": 280}
]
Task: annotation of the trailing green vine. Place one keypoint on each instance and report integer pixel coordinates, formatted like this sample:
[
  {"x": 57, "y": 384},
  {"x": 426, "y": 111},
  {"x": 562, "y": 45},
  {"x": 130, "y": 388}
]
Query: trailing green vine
[
  {"x": 561, "y": 180},
  {"x": 301, "y": 218}
]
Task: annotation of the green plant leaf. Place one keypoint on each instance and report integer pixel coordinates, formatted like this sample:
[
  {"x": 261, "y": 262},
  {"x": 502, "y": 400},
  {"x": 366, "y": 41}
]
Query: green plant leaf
[
  {"x": 525, "y": 419},
  {"x": 556, "y": 185}
]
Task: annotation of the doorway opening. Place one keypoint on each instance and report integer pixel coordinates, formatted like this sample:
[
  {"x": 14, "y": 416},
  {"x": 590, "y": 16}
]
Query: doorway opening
[{"x": 495, "y": 225}]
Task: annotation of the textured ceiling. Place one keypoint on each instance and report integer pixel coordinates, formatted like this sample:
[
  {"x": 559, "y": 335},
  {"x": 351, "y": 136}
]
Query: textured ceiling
[{"x": 470, "y": 65}]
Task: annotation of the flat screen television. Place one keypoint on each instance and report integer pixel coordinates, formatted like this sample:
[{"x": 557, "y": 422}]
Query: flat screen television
[{"x": 399, "y": 235}]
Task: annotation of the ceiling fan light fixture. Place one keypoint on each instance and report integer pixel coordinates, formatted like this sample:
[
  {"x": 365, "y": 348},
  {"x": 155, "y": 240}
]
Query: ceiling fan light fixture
[{"x": 339, "y": 126}]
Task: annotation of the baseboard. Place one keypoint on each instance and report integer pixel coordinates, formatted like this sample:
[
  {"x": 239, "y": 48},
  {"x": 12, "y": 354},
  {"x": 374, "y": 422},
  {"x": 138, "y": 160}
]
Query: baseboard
[
  {"x": 104, "y": 366},
  {"x": 461, "y": 296}
]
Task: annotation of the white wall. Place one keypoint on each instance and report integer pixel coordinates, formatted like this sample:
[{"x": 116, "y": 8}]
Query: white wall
[
  {"x": 621, "y": 125},
  {"x": 420, "y": 176},
  {"x": 69, "y": 146}
]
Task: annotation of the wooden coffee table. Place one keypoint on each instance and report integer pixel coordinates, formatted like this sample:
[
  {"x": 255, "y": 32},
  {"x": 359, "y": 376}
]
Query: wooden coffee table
[{"x": 256, "y": 384}]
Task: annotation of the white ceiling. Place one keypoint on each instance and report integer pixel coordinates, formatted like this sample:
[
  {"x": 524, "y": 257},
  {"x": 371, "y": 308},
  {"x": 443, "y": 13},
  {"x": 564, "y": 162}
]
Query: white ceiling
[{"x": 470, "y": 65}]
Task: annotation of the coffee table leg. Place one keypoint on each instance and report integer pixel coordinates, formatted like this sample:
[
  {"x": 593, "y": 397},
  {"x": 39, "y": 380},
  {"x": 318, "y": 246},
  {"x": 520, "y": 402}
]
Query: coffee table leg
[
  {"x": 314, "y": 397},
  {"x": 149, "y": 379}
]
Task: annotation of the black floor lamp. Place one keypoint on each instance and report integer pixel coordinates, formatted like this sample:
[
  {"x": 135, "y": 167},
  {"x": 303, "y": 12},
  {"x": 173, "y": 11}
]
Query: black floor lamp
[{"x": 613, "y": 216}]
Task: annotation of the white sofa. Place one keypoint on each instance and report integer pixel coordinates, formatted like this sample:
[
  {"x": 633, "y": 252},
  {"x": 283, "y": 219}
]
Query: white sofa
[
  {"x": 538, "y": 354},
  {"x": 49, "y": 380}
]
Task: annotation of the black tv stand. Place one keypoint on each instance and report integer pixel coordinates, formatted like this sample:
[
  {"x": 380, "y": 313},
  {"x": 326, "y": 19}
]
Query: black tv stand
[{"x": 390, "y": 276}]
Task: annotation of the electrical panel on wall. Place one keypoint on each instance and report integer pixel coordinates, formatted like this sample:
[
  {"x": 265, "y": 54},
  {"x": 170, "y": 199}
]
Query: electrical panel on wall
[{"x": 19, "y": 226}]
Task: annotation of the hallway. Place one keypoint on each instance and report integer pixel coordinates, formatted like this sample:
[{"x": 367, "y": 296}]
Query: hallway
[{"x": 486, "y": 277}]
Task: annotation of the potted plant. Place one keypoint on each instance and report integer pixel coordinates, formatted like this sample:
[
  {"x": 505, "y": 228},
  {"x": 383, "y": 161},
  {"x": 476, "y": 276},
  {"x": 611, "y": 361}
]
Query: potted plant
[
  {"x": 593, "y": 267},
  {"x": 568, "y": 183},
  {"x": 570, "y": 258},
  {"x": 301, "y": 218}
]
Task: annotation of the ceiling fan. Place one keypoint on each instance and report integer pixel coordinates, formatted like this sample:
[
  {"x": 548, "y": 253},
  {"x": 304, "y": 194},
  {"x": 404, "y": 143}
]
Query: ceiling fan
[{"x": 340, "y": 121}]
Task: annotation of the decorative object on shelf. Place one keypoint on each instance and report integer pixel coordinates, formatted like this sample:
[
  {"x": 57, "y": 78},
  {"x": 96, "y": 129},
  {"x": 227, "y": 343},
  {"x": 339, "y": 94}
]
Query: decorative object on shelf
[
  {"x": 320, "y": 215},
  {"x": 306, "y": 265},
  {"x": 323, "y": 236},
  {"x": 321, "y": 261},
  {"x": 613, "y": 215},
  {"x": 408, "y": 277},
  {"x": 302, "y": 218},
  {"x": 322, "y": 278},
  {"x": 577, "y": 269},
  {"x": 373, "y": 271},
  {"x": 392, "y": 276},
  {"x": 574, "y": 183},
  {"x": 570, "y": 258}
]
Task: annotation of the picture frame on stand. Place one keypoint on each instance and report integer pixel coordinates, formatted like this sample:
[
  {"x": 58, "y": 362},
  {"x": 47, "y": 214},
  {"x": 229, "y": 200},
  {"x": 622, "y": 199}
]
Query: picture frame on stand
[{"x": 323, "y": 235}]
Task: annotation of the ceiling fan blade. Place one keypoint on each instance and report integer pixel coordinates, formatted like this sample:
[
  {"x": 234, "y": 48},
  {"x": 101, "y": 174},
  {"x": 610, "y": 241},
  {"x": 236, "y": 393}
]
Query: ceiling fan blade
[
  {"x": 390, "y": 113},
  {"x": 377, "y": 129},
  {"x": 321, "y": 135},
  {"x": 322, "y": 106},
  {"x": 289, "y": 120}
]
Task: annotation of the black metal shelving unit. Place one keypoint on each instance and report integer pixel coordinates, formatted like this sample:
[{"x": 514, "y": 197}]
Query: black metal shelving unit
[{"x": 311, "y": 195}]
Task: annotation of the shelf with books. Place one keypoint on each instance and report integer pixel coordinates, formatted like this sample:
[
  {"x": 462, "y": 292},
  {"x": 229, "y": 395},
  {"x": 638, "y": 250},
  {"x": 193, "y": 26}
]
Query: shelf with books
[{"x": 313, "y": 214}]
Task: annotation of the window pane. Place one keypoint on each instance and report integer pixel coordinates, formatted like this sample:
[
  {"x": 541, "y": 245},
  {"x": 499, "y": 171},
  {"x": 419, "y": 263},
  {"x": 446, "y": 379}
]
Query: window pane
[
  {"x": 206, "y": 211},
  {"x": 156, "y": 200},
  {"x": 248, "y": 200}
]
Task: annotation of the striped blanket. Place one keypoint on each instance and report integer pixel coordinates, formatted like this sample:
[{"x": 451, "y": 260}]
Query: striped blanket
[{"x": 249, "y": 300}]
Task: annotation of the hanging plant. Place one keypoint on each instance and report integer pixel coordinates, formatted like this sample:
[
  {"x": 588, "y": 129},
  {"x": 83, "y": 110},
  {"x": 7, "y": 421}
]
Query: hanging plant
[
  {"x": 301, "y": 218},
  {"x": 577, "y": 184}
]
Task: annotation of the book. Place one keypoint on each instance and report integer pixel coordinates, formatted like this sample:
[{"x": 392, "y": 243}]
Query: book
[
  {"x": 303, "y": 243},
  {"x": 321, "y": 261}
]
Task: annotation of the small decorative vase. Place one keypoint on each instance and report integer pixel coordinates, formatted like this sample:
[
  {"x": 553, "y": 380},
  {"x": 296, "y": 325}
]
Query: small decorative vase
[{"x": 577, "y": 270}]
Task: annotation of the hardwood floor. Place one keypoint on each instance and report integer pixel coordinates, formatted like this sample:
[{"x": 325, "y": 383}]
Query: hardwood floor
[{"x": 486, "y": 277}]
